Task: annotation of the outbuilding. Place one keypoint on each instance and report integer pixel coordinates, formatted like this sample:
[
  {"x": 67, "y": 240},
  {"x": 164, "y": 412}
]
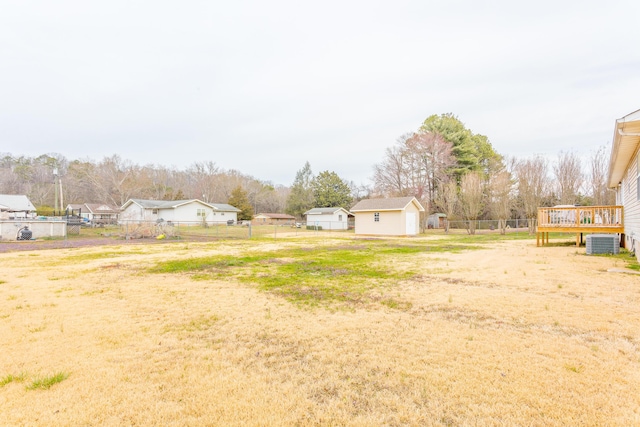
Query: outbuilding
[
  {"x": 328, "y": 218},
  {"x": 395, "y": 216}
]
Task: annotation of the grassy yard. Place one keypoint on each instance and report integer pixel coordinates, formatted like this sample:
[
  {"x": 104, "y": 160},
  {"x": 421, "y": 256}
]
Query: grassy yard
[{"x": 320, "y": 329}]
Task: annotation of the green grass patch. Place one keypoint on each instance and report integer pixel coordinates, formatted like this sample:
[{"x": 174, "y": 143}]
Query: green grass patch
[
  {"x": 343, "y": 273},
  {"x": 628, "y": 258},
  {"x": 44, "y": 383},
  {"x": 11, "y": 378},
  {"x": 99, "y": 255}
]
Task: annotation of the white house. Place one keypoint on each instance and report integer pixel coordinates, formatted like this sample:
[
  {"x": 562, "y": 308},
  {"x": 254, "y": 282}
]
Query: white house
[
  {"x": 192, "y": 211},
  {"x": 16, "y": 206},
  {"x": 397, "y": 216},
  {"x": 624, "y": 175},
  {"x": 328, "y": 218}
]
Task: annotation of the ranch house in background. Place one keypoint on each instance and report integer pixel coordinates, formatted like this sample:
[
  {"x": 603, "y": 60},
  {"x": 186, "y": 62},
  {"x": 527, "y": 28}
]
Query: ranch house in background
[
  {"x": 13, "y": 206},
  {"x": 273, "y": 219},
  {"x": 96, "y": 213},
  {"x": 624, "y": 176},
  {"x": 192, "y": 211},
  {"x": 397, "y": 216},
  {"x": 328, "y": 218}
]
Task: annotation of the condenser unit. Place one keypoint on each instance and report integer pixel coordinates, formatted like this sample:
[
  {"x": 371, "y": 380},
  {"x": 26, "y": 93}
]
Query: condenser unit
[{"x": 603, "y": 244}]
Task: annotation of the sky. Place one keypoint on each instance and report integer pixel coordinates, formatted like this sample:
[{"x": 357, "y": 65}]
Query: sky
[{"x": 263, "y": 87}]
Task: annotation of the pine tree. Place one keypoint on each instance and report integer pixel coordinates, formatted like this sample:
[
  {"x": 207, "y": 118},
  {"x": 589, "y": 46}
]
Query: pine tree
[
  {"x": 240, "y": 200},
  {"x": 330, "y": 191},
  {"x": 300, "y": 198}
]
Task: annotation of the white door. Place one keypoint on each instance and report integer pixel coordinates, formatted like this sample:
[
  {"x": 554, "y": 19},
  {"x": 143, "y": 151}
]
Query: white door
[{"x": 411, "y": 223}]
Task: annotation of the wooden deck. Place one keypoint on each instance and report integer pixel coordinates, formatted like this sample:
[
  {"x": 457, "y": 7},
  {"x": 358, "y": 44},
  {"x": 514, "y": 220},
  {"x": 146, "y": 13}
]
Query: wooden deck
[{"x": 579, "y": 220}]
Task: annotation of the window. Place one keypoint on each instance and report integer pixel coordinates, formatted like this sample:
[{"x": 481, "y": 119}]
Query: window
[
  {"x": 201, "y": 213},
  {"x": 154, "y": 211},
  {"x": 339, "y": 217},
  {"x": 376, "y": 217}
]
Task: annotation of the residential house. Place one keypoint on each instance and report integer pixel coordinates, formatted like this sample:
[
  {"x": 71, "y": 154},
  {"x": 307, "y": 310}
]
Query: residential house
[
  {"x": 96, "y": 213},
  {"x": 328, "y": 218},
  {"x": 273, "y": 219},
  {"x": 624, "y": 176},
  {"x": 397, "y": 216},
  {"x": 14, "y": 206},
  {"x": 192, "y": 211}
]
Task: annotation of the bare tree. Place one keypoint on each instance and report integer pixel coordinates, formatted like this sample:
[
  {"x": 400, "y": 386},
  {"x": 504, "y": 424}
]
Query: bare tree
[
  {"x": 500, "y": 198},
  {"x": 471, "y": 199},
  {"x": 416, "y": 166},
  {"x": 390, "y": 176},
  {"x": 447, "y": 200},
  {"x": 568, "y": 177},
  {"x": 598, "y": 179},
  {"x": 431, "y": 158},
  {"x": 533, "y": 182}
]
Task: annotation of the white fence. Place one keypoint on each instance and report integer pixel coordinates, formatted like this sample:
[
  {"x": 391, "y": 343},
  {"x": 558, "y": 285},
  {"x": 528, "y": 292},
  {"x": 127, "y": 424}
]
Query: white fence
[{"x": 39, "y": 228}]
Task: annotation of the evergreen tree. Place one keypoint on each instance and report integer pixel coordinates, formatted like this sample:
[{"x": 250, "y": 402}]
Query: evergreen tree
[
  {"x": 473, "y": 152},
  {"x": 300, "y": 198},
  {"x": 240, "y": 200},
  {"x": 330, "y": 191}
]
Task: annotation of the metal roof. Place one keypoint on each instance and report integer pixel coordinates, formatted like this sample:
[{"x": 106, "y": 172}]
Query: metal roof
[
  {"x": 16, "y": 203},
  {"x": 325, "y": 211}
]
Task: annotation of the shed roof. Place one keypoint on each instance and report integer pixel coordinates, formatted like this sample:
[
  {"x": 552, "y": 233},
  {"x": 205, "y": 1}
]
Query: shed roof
[
  {"x": 387, "y": 204},
  {"x": 626, "y": 139}
]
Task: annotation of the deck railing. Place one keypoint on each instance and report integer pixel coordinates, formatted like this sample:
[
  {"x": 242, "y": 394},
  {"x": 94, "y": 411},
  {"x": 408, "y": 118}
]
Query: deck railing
[
  {"x": 577, "y": 217},
  {"x": 579, "y": 220}
]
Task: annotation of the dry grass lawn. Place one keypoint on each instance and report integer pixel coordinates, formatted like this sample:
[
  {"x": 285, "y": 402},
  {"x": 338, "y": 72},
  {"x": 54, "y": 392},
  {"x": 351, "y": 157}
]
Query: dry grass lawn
[{"x": 508, "y": 334}]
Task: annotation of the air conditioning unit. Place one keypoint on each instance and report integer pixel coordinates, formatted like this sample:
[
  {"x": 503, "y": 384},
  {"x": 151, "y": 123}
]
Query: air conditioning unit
[{"x": 603, "y": 244}]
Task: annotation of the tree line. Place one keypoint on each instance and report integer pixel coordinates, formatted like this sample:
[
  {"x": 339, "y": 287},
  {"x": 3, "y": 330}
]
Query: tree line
[
  {"x": 452, "y": 170},
  {"x": 445, "y": 165}
]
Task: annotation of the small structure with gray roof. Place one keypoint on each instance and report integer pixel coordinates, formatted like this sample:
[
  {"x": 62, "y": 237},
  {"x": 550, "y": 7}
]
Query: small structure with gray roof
[
  {"x": 395, "y": 216},
  {"x": 328, "y": 218}
]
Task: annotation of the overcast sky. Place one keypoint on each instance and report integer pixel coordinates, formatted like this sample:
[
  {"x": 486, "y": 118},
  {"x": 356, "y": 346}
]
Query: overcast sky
[{"x": 264, "y": 86}]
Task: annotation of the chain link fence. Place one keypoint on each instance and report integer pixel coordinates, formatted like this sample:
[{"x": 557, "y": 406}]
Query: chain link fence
[
  {"x": 513, "y": 225},
  {"x": 244, "y": 230}
]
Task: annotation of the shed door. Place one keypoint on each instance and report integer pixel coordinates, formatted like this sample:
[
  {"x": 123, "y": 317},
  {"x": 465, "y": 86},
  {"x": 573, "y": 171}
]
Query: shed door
[{"x": 411, "y": 223}]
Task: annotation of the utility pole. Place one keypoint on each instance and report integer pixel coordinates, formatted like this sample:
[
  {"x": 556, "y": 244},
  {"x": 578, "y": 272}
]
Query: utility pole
[{"x": 55, "y": 186}]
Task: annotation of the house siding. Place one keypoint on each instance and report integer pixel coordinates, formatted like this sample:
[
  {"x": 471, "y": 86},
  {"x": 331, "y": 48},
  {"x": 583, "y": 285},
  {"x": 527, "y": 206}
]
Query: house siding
[
  {"x": 186, "y": 213},
  {"x": 629, "y": 192}
]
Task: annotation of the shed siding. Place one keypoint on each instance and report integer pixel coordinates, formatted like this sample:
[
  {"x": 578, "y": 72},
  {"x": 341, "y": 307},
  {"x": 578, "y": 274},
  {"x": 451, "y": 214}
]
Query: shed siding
[
  {"x": 329, "y": 221},
  {"x": 392, "y": 223}
]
